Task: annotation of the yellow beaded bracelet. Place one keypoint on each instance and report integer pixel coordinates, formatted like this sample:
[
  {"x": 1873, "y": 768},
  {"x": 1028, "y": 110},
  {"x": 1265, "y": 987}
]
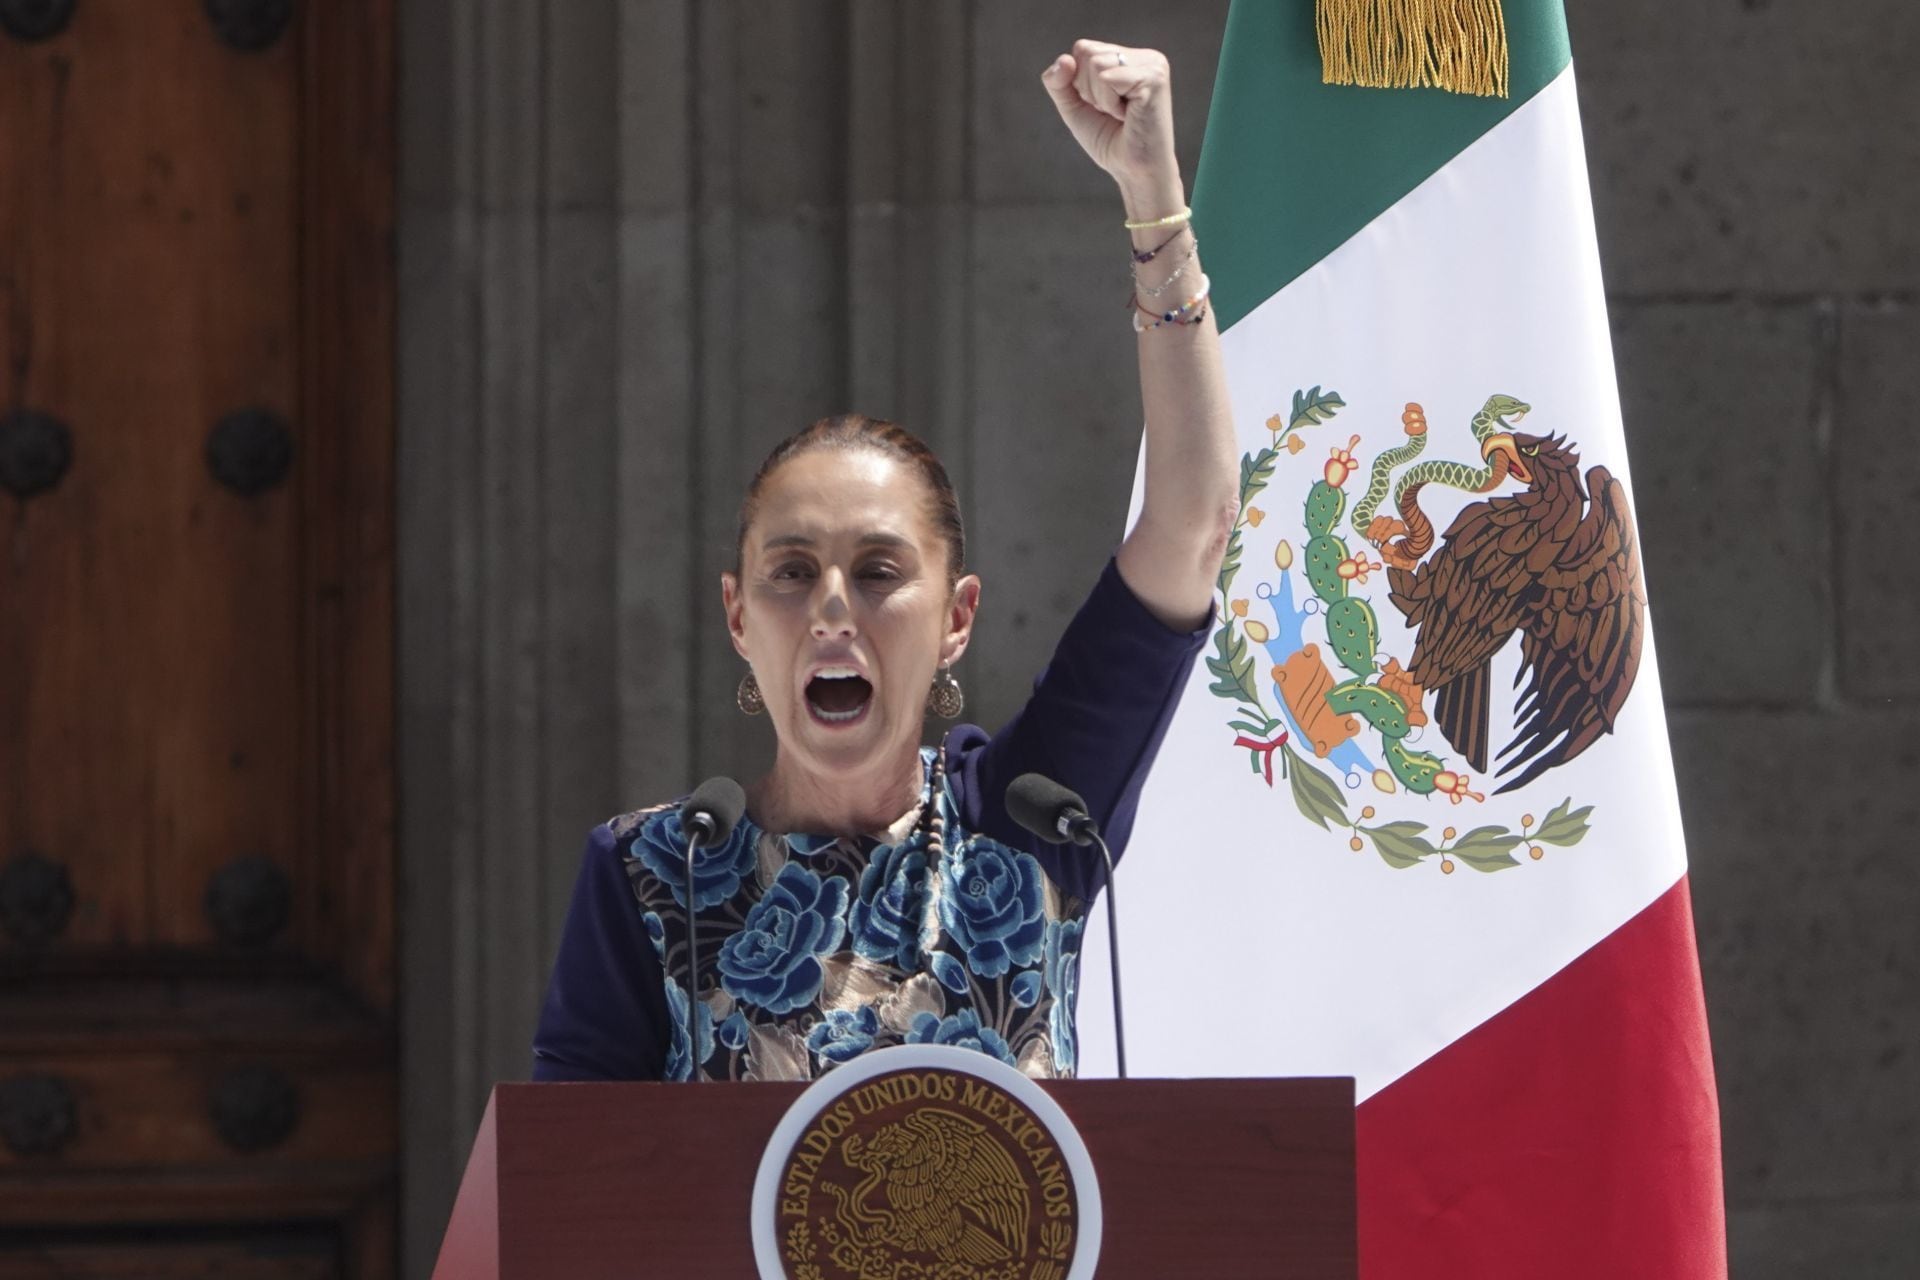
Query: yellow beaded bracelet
[{"x": 1171, "y": 220}]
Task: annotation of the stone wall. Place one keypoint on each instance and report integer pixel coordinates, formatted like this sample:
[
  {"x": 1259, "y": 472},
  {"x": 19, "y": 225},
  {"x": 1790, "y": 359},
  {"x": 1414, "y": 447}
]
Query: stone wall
[
  {"x": 1755, "y": 173},
  {"x": 643, "y": 239}
]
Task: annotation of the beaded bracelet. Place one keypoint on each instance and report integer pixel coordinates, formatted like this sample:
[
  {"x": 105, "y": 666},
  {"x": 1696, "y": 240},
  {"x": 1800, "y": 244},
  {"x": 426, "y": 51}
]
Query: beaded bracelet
[
  {"x": 1171, "y": 220},
  {"x": 1192, "y": 311},
  {"x": 1140, "y": 326}
]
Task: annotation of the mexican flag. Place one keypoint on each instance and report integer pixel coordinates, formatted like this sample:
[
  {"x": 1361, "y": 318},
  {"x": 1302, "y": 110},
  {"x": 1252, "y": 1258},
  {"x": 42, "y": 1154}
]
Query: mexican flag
[{"x": 1414, "y": 820}]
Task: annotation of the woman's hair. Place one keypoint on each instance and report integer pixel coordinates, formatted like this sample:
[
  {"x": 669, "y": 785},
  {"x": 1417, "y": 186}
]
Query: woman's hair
[{"x": 857, "y": 431}]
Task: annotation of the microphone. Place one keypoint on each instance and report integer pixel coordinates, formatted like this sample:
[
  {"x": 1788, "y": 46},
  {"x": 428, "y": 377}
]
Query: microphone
[
  {"x": 707, "y": 818},
  {"x": 714, "y": 809},
  {"x": 1058, "y": 816},
  {"x": 1049, "y": 810}
]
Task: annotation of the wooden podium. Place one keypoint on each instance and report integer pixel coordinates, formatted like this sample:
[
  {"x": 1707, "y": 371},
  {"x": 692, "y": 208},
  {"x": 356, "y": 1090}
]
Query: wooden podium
[{"x": 1198, "y": 1178}]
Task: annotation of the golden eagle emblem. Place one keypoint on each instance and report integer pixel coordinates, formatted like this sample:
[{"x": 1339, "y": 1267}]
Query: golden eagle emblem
[
  {"x": 949, "y": 1166},
  {"x": 1558, "y": 564},
  {"x": 947, "y": 1189}
]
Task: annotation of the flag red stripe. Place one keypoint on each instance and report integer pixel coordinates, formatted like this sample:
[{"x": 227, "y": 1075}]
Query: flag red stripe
[{"x": 1574, "y": 1135}]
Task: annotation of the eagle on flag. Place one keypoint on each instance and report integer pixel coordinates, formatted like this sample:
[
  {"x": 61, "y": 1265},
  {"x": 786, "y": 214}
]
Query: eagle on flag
[{"x": 1557, "y": 563}]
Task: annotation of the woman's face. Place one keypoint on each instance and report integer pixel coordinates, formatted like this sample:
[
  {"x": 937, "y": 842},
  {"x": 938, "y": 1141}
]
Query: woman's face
[{"x": 842, "y": 606}]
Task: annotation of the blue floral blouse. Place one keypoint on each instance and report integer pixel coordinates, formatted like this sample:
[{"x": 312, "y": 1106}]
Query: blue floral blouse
[{"x": 814, "y": 949}]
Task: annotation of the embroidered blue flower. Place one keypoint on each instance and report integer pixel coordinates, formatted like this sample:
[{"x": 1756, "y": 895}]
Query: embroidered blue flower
[
  {"x": 678, "y": 1068},
  {"x": 844, "y": 1034},
  {"x": 733, "y": 1032},
  {"x": 657, "y": 931},
  {"x": 952, "y": 974},
  {"x": 661, "y": 848},
  {"x": 962, "y": 1029},
  {"x": 1026, "y": 989},
  {"x": 774, "y": 960},
  {"x": 991, "y": 903},
  {"x": 1063, "y": 980},
  {"x": 886, "y": 912}
]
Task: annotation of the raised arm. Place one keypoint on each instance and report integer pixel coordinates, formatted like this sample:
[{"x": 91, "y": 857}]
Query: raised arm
[{"x": 1118, "y": 103}]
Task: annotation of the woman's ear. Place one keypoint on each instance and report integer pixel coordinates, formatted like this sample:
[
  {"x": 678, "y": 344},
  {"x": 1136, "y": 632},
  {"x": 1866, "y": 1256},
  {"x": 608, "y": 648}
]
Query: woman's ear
[
  {"x": 732, "y": 599},
  {"x": 961, "y": 610}
]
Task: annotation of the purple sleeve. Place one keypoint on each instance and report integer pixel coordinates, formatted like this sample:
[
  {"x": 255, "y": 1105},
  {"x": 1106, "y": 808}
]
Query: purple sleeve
[
  {"x": 1094, "y": 723},
  {"x": 605, "y": 1014}
]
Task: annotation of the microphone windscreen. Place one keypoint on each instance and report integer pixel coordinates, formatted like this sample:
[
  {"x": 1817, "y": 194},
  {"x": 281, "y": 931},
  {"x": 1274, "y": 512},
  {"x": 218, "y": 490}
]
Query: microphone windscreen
[
  {"x": 722, "y": 800},
  {"x": 1038, "y": 803}
]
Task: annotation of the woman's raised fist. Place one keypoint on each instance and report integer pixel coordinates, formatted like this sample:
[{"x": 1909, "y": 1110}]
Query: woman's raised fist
[{"x": 1118, "y": 103}]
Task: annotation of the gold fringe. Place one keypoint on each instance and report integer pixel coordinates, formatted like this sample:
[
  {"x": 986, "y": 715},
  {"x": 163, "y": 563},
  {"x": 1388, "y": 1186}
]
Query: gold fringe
[{"x": 1456, "y": 45}]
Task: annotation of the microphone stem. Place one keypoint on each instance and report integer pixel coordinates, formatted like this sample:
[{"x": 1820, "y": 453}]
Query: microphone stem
[
  {"x": 693, "y": 966},
  {"x": 1113, "y": 955}
]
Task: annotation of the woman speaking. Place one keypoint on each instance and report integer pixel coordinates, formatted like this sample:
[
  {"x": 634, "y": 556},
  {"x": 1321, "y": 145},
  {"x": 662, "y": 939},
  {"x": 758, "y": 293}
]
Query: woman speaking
[{"x": 877, "y": 892}]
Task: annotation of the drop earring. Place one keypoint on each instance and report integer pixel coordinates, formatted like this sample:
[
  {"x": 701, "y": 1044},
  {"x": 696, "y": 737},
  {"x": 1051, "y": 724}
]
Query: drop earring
[
  {"x": 945, "y": 698},
  {"x": 748, "y": 696}
]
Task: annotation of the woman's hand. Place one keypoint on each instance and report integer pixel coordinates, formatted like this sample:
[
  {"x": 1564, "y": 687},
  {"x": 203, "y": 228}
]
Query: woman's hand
[{"x": 1118, "y": 102}]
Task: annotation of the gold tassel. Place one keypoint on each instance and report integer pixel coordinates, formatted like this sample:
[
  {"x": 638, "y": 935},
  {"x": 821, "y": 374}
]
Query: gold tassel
[{"x": 1456, "y": 45}]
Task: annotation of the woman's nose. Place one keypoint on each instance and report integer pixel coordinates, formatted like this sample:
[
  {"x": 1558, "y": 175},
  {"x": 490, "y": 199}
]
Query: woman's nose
[{"x": 832, "y": 613}]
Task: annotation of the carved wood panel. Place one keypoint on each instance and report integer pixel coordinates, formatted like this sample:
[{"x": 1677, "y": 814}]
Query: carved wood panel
[{"x": 196, "y": 888}]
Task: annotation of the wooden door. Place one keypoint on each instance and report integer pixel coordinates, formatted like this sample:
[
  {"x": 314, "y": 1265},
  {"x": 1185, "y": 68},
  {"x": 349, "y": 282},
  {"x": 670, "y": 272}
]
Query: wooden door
[{"x": 196, "y": 868}]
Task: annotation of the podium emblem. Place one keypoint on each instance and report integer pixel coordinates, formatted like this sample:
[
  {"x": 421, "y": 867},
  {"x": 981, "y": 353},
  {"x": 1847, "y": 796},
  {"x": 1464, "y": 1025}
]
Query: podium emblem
[{"x": 926, "y": 1162}]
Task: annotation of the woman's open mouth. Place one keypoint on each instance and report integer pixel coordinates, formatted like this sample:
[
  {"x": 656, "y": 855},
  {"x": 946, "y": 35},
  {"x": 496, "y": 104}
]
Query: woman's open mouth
[{"x": 838, "y": 695}]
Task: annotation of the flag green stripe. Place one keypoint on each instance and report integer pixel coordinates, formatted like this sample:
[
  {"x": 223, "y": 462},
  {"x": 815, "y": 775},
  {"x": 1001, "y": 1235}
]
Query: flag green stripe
[{"x": 1292, "y": 167}]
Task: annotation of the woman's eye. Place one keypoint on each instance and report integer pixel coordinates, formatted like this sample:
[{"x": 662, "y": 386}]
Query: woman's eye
[
  {"x": 787, "y": 572},
  {"x": 880, "y": 573}
]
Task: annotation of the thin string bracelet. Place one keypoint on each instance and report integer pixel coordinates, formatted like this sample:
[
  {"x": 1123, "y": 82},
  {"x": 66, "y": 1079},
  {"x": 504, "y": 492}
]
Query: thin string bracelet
[
  {"x": 1154, "y": 291},
  {"x": 1144, "y": 256}
]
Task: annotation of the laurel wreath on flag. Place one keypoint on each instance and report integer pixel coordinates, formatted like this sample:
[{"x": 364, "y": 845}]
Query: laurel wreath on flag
[{"x": 1400, "y": 844}]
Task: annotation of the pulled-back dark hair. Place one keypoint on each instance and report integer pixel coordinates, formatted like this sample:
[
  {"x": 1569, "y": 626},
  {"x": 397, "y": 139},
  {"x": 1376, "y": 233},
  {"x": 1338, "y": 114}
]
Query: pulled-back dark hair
[{"x": 857, "y": 431}]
